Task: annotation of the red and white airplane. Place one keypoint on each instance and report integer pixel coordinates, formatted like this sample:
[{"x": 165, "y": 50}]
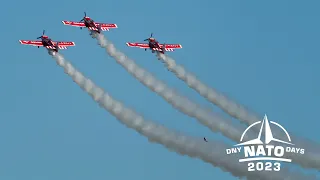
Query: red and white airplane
[
  {"x": 154, "y": 45},
  {"x": 90, "y": 24},
  {"x": 48, "y": 43}
]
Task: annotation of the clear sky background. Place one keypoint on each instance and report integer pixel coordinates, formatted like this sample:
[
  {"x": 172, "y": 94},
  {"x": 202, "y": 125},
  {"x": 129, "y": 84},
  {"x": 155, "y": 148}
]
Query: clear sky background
[{"x": 264, "y": 54}]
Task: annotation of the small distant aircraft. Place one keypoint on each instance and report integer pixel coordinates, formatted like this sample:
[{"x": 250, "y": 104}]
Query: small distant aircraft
[
  {"x": 48, "y": 43},
  {"x": 154, "y": 45},
  {"x": 205, "y": 139},
  {"x": 90, "y": 24}
]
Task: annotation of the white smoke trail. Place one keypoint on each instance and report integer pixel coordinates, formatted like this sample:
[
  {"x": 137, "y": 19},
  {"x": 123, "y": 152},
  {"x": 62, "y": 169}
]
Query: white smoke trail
[
  {"x": 183, "y": 104},
  {"x": 232, "y": 108},
  {"x": 239, "y": 112},
  {"x": 181, "y": 144}
]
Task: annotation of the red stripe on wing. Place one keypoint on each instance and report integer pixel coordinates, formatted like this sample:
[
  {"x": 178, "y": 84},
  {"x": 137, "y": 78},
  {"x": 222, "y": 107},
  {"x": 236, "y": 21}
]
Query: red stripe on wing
[
  {"x": 109, "y": 25},
  {"x": 106, "y": 27},
  {"x": 66, "y": 43},
  {"x": 172, "y": 46},
  {"x": 140, "y": 45},
  {"x": 73, "y": 23},
  {"x": 30, "y": 42}
]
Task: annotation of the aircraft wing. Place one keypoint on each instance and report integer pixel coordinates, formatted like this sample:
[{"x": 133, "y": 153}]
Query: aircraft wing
[
  {"x": 73, "y": 23},
  {"x": 171, "y": 47},
  {"x": 168, "y": 47},
  {"x": 104, "y": 26},
  {"x": 30, "y": 42},
  {"x": 138, "y": 45},
  {"x": 64, "y": 44}
]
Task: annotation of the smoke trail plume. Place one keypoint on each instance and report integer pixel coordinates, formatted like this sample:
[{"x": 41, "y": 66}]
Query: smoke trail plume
[
  {"x": 183, "y": 104},
  {"x": 239, "y": 112},
  {"x": 179, "y": 143}
]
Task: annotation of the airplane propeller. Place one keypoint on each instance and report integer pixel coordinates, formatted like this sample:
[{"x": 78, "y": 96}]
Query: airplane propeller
[
  {"x": 42, "y": 34},
  {"x": 149, "y": 37},
  {"x": 85, "y": 15}
]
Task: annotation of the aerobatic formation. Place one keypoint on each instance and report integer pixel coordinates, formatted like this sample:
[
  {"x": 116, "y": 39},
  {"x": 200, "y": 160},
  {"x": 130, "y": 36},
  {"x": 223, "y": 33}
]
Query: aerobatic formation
[
  {"x": 96, "y": 27},
  {"x": 210, "y": 151}
]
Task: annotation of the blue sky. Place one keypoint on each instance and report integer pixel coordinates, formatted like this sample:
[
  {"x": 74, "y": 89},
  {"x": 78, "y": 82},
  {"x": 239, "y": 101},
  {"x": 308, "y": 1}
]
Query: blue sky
[{"x": 262, "y": 54}]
